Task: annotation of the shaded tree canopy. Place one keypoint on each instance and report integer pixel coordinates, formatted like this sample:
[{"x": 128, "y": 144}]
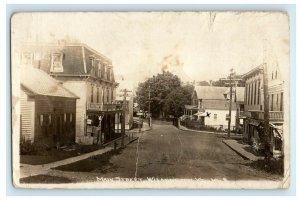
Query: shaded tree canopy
[
  {"x": 175, "y": 101},
  {"x": 160, "y": 87}
]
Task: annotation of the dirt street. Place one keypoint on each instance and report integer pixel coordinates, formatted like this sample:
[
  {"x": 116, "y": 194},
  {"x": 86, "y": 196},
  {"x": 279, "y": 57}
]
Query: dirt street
[{"x": 167, "y": 152}]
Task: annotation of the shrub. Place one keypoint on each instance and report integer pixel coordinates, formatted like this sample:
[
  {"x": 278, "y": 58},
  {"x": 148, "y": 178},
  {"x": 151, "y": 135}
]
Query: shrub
[{"x": 26, "y": 147}]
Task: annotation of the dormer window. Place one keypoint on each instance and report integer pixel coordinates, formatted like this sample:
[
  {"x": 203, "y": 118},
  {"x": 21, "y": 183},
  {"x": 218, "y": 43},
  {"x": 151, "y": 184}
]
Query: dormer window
[
  {"x": 56, "y": 62},
  {"x": 27, "y": 58}
]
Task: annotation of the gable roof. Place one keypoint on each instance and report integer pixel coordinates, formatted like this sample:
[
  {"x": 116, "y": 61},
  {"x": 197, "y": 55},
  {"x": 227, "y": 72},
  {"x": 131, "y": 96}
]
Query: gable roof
[
  {"x": 210, "y": 92},
  {"x": 217, "y": 93},
  {"x": 38, "y": 82}
]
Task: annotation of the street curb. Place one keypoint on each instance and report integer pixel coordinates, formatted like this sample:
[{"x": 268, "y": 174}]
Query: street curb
[
  {"x": 186, "y": 129},
  {"x": 236, "y": 151}
]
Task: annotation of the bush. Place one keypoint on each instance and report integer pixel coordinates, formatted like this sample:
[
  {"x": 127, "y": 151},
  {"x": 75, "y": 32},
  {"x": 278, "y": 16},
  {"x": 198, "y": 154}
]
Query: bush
[{"x": 26, "y": 147}]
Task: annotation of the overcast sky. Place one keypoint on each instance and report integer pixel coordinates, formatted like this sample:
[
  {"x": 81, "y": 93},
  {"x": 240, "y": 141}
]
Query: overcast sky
[{"x": 202, "y": 46}]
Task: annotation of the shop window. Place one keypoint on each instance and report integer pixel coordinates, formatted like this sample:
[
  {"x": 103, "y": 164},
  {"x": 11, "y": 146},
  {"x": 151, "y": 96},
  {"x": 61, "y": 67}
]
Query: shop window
[
  {"x": 71, "y": 117},
  {"x": 65, "y": 117},
  {"x": 50, "y": 119}
]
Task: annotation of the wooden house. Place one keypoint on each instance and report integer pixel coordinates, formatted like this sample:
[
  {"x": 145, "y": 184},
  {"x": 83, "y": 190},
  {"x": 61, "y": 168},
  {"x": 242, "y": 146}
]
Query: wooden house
[
  {"x": 48, "y": 110},
  {"x": 213, "y": 105}
]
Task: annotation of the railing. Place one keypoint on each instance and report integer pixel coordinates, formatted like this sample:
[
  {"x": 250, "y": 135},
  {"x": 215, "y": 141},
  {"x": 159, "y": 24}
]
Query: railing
[
  {"x": 274, "y": 115},
  {"x": 104, "y": 107}
]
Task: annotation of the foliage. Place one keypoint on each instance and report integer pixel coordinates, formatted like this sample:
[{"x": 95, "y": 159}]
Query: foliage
[
  {"x": 160, "y": 86},
  {"x": 26, "y": 147},
  {"x": 203, "y": 83},
  {"x": 175, "y": 101}
]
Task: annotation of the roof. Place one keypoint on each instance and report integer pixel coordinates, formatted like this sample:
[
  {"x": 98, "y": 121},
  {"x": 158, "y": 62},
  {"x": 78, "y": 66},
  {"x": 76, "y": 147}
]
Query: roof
[
  {"x": 190, "y": 107},
  {"x": 38, "y": 82},
  {"x": 217, "y": 93},
  {"x": 210, "y": 92},
  {"x": 76, "y": 57},
  {"x": 254, "y": 70}
]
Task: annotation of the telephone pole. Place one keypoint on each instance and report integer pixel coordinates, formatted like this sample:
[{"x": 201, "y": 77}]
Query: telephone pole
[
  {"x": 266, "y": 102},
  {"x": 149, "y": 106},
  {"x": 125, "y": 91},
  {"x": 232, "y": 81},
  {"x": 230, "y": 101},
  {"x": 266, "y": 113}
]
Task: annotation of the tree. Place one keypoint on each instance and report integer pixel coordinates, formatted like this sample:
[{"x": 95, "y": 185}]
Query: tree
[
  {"x": 160, "y": 86},
  {"x": 175, "y": 101},
  {"x": 203, "y": 83}
]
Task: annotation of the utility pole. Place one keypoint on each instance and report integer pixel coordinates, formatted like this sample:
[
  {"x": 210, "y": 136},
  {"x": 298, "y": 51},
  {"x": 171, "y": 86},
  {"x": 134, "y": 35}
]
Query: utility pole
[
  {"x": 266, "y": 103},
  {"x": 230, "y": 102},
  {"x": 125, "y": 91},
  {"x": 149, "y": 106},
  {"x": 266, "y": 113}
]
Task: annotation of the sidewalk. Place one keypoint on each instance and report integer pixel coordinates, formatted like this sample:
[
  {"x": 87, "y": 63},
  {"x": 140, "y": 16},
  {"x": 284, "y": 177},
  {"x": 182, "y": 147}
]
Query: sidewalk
[
  {"x": 241, "y": 149},
  {"x": 197, "y": 131},
  {"x": 32, "y": 170},
  {"x": 27, "y": 170}
]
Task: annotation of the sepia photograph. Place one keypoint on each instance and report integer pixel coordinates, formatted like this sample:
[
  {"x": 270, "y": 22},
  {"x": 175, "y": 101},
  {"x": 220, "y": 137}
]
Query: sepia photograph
[{"x": 151, "y": 99}]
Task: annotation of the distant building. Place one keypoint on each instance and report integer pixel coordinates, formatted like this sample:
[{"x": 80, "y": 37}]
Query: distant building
[
  {"x": 254, "y": 108},
  {"x": 213, "y": 105},
  {"x": 48, "y": 110},
  {"x": 125, "y": 84},
  {"x": 89, "y": 75}
]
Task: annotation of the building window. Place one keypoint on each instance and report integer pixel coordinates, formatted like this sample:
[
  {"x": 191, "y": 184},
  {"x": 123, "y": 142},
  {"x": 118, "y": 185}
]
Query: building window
[
  {"x": 102, "y": 95},
  {"x": 71, "y": 117},
  {"x": 97, "y": 95},
  {"x": 65, "y": 117},
  {"x": 254, "y": 93},
  {"x": 27, "y": 58},
  {"x": 277, "y": 101},
  {"x": 251, "y": 94},
  {"x": 272, "y": 102},
  {"x": 107, "y": 95},
  {"x": 215, "y": 116},
  {"x": 227, "y": 117},
  {"x": 105, "y": 71},
  {"x": 92, "y": 94},
  {"x": 258, "y": 93},
  {"x": 50, "y": 120},
  {"x": 281, "y": 101},
  {"x": 56, "y": 62},
  {"x": 99, "y": 69},
  {"x": 92, "y": 62},
  {"x": 112, "y": 95},
  {"x": 272, "y": 75}
]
